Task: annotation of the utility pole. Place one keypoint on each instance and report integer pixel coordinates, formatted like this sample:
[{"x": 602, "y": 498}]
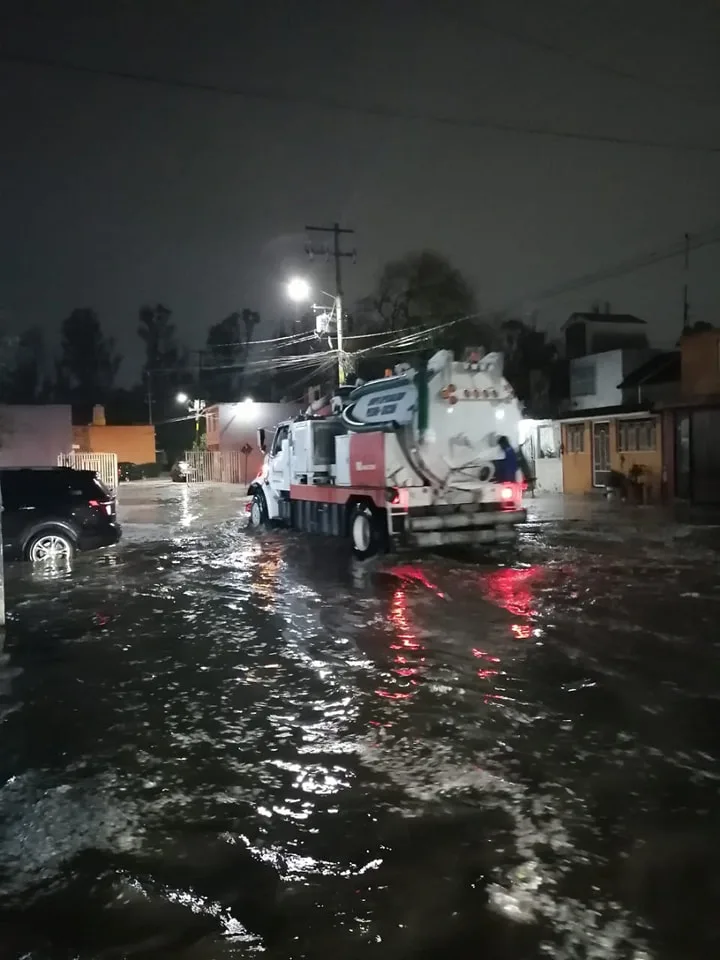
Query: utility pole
[
  {"x": 337, "y": 254},
  {"x": 686, "y": 304}
]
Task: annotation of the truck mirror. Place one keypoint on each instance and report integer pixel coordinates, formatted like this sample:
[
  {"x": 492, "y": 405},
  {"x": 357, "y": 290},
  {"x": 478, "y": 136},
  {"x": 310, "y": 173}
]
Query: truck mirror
[{"x": 261, "y": 440}]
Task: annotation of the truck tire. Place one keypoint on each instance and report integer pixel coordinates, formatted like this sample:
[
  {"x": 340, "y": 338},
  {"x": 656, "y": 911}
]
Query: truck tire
[
  {"x": 365, "y": 532},
  {"x": 258, "y": 510}
]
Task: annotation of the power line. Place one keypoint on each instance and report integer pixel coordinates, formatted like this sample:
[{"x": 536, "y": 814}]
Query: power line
[
  {"x": 373, "y": 110},
  {"x": 405, "y": 341},
  {"x": 597, "y": 65}
]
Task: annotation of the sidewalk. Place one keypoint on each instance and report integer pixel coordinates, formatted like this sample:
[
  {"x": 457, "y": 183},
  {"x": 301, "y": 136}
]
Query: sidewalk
[{"x": 594, "y": 509}]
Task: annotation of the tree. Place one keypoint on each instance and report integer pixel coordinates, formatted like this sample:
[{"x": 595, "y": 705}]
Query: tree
[
  {"x": 22, "y": 377},
  {"x": 424, "y": 290},
  {"x": 88, "y": 363},
  {"x": 226, "y": 353},
  {"x": 421, "y": 289},
  {"x": 157, "y": 331},
  {"x": 165, "y": 367},
  {"x": 222, "y": 361},
  {"x": 531, "y": 365}
]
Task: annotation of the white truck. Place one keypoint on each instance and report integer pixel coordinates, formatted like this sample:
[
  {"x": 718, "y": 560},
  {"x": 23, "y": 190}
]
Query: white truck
[{"x": 411, "y": 459}]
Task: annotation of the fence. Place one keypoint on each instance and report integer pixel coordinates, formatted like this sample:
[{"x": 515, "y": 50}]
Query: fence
[
  {"x": 104, "y": 464},
  {"x": 223, "y": 466}
]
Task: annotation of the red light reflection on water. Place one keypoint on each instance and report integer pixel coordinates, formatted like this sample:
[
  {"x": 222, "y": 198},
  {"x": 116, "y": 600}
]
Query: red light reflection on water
[
  {"x": 510, "y": 589},
  {"x": 409, "y": 572},
  {"x": 406, "y": 663}
]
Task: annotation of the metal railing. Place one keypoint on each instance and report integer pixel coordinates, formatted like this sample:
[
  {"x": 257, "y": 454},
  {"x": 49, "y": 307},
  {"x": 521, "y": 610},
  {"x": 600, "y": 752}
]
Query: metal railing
[
  {"x": 105, "y": 465},
  {"x": 222, "y": 466}
]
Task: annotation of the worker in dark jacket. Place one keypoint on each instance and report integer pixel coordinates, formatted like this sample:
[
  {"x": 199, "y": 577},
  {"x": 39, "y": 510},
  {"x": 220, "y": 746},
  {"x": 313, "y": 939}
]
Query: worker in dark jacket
[{"x": 507, "y": 468}]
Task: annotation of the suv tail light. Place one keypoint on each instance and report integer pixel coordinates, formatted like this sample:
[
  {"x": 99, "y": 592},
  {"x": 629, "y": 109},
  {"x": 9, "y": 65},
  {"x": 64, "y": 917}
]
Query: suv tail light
[{"x": 107, "y": 507}]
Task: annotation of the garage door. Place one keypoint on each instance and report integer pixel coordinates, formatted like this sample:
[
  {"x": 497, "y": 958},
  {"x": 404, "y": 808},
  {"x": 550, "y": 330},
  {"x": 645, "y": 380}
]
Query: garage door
[{"x": 705, "y": 439}]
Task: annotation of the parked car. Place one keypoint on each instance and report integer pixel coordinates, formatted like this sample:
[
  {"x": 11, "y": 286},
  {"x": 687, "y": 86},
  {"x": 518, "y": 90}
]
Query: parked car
[
  {"x": 182, "y": 472},
  {"x": 49, "y": 514},
  {"x": 125, "y": 472}
]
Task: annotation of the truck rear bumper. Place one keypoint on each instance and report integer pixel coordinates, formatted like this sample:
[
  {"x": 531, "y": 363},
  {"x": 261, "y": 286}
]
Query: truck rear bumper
[{"x": 482, "y": 528}]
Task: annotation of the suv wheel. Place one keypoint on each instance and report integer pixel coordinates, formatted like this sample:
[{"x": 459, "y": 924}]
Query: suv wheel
[{"x": 50, "y": 546}]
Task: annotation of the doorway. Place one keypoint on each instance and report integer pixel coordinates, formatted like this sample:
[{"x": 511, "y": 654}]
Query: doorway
[{"x": 601, "y": 453}]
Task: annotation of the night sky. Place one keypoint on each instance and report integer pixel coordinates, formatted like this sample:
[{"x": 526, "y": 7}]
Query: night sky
[{"x": 113, "y": 192}]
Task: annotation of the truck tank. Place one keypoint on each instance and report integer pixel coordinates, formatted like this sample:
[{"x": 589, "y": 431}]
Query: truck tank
[{"x": 447, "y": 417}]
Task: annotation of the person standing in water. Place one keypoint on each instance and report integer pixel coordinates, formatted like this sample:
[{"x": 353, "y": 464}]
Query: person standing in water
[{"x": 506, "y": 470}]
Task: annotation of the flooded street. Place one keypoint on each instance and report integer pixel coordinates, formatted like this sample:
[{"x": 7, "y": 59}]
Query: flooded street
[{"x": 215, "y": 741}]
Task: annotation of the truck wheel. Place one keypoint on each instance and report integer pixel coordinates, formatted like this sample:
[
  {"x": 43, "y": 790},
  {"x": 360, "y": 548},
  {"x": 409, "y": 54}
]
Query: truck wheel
[
  {"x": 364, "y": 532},
  {"x": 258, "y": 511}
]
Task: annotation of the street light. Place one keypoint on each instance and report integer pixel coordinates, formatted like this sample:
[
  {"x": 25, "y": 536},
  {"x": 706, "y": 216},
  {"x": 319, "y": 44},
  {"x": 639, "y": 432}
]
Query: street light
[
  {"x": 195, "y": 407},
  {"x": 298, "y": 289}
]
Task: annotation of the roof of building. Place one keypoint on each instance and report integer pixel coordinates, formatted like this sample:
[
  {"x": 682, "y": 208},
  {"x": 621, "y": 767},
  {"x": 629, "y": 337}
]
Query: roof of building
[
  {"x": 662, "y": 368},
  {"x": 595, "y": 317},
  {"x": 607, "y": 413}
]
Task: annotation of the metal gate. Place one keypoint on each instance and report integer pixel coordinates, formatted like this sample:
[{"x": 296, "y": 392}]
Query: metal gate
[
  {"x": 601, "y": 452},
  {"x": 105, "y": 465},
  {"x": 224, "y": 466}
]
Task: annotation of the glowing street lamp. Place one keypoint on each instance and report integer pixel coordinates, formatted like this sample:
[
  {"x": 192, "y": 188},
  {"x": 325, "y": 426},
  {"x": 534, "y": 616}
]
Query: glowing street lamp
[
  {"x": 194, "y": 406},
  {"x": 298, "y": 289}
]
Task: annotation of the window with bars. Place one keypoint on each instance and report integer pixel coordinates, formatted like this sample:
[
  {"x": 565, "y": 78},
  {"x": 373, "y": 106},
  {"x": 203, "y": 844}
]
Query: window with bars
[
  {"x": 636, "y": 435},
  {"x": 575, "y": 438}
]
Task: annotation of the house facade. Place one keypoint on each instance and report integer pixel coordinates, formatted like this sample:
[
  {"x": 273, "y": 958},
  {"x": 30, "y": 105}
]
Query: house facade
[
  {"x": 34, "y": 436},
  {"x": 132, "y": 444},
  {"x": 691, "y": 423},
  {"x": 605, "y": 428},
  {"x": 600, "y": 331},
  {"x": 234, "y": 427}
]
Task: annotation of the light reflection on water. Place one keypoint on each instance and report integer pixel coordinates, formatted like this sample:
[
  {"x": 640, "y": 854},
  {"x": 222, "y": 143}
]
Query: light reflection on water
[{"x": 337, "y": 724}]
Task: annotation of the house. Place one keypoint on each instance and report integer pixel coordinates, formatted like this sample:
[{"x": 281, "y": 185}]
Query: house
[
  {"x": 691, "y": 422},
  {"x": 598, "y": 380},
  {"x": 609, "y": 424},
  {"x": 34, "y": 435},
  {"x": 132, "y": 443},
  {"x": 599, "y": 332},
  {"x": 234, "y": 427}
]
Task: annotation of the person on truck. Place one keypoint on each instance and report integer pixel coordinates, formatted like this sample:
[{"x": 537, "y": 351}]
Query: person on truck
[{"x": 506, "y": 470}]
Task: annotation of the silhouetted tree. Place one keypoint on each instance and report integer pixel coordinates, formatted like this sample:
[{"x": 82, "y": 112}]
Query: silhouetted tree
[
  {"x": 165, "y": 370},
  {"x": 250, "y": 319},
  {"x": 22, "y": 376},
  {"x": 88, "y": 364},
  {"x": 225, "y": 356},
  {"x": 422, "y": 290}
]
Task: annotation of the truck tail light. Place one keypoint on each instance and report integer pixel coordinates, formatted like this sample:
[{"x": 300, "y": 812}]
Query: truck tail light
[{"x": 507, "y": 493}]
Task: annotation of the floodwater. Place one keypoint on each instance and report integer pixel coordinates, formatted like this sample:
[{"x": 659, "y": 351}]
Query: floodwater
[{"x": 215, "y": 742}]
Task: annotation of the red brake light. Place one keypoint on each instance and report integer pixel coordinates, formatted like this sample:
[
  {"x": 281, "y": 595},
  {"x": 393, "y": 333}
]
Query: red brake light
[
  {"x": 507, "y": 493},
  {"x": 93, "y": 503}
]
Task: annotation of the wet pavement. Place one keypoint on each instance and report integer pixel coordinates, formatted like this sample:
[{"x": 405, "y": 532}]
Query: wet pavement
[{"x": 215, "y": 742}]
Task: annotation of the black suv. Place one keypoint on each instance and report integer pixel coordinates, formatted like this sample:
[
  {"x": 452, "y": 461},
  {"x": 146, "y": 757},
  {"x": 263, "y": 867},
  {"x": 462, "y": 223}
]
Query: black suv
[{"x": 49, "y": 514}]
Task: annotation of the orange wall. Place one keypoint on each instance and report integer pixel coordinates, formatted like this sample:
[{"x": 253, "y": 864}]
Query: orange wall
[
  {"x": 134, "y": 444},
  {"x": 700, "y": 363},
  {"x": 577, "y": 467}
]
